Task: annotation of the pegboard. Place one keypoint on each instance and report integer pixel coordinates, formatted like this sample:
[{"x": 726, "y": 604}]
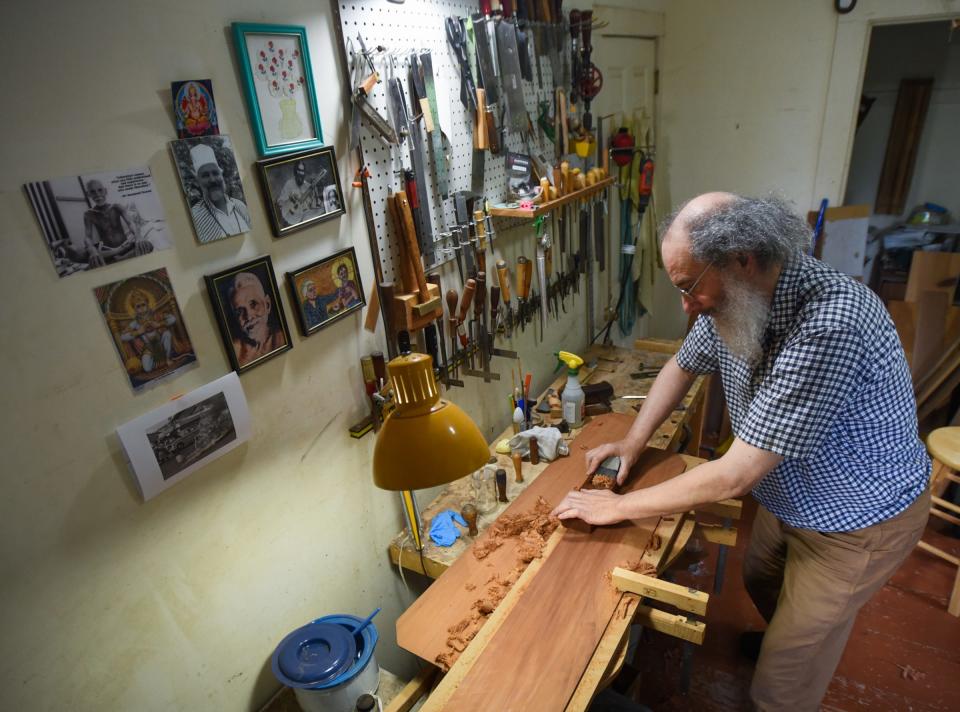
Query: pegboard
[{"x": 417, "y": 26}]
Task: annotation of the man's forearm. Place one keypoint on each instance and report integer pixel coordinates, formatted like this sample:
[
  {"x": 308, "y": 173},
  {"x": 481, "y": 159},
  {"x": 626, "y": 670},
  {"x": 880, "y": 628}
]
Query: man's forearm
[{"x": 665, "y": 394}]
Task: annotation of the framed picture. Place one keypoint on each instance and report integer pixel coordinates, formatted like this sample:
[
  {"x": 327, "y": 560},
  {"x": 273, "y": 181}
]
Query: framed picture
[
  {"x": 96, "y": 219},
  {"x": 211, "y": 184},
  {"x": 326, "y": 291},
  {"x": 148, "y": 331},
  {"x": 169, "y": 443},
  {"x": 194, "y": 108},
  {"x": 246, "y": 303},
  {"x": 275, "y": 63},
  {"x": 301, "y": 189}
]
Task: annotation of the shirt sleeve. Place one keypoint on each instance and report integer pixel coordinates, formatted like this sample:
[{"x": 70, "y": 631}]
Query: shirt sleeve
[
  {"x": 698, "y": 353},
  {"x": 812, "y": 383}
]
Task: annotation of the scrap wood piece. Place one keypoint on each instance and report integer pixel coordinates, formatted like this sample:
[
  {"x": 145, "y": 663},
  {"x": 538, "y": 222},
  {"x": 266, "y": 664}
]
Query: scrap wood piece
[
  {"x": 538, "y": 655},
  {"x": 423, "y": 629},
  {"x": 413, "y": 690}
]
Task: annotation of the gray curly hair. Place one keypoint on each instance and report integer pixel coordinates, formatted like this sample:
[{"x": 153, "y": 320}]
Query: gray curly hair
[{"x": 766, "y": 228}]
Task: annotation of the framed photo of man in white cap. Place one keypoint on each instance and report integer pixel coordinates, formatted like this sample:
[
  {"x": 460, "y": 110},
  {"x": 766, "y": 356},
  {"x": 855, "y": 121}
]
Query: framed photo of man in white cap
[{"x": 211, "y": 184}]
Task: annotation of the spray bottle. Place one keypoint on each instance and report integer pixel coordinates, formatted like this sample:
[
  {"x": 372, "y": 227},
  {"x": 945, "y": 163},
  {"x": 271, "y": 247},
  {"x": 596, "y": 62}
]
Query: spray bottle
[{"x": 573, "y": 398}]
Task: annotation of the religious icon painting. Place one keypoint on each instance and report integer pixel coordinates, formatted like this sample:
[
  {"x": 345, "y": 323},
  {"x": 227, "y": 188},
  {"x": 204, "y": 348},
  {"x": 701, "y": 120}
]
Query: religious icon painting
[
  {"x": 194, "y": 109},
  {"x": 301, "y": 189},
  {"x": 96, "y": 219},
  {"x": 146, "y": 326},
  {"x": 246, "y": 304},
  {"x": 211, "y": 184},
  {"x": 326, "y": 291}
]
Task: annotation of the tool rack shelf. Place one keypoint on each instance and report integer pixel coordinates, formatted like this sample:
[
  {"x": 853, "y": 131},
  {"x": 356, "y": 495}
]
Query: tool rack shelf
[{"x": 544, "y": 208}]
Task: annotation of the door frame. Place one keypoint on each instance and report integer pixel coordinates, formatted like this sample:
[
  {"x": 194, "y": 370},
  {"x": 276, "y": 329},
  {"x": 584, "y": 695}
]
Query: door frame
[{"x": 850, "y": 47}]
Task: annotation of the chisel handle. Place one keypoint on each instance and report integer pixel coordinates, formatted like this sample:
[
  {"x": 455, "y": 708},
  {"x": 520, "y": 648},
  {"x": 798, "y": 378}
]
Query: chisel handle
[
  {"x": 527, "y": 277},
  {"x": 494, "y": 299},
  {"x": 468, "y": 289},
  {"x": 503, "y": 275},
  {"x": 522, "y": 291}
]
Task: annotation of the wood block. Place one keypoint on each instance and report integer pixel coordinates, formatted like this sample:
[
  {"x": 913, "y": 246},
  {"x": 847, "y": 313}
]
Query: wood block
[{"x": 677, "y": 626}]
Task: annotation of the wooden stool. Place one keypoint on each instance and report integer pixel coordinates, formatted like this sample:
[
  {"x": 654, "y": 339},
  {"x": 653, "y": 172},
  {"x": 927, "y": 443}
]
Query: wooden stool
[{"x": 944, "y": 447}]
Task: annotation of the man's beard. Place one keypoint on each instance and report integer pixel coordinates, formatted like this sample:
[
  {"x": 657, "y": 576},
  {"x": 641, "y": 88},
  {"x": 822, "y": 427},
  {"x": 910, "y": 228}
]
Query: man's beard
[{"x": 742, "y": 320}]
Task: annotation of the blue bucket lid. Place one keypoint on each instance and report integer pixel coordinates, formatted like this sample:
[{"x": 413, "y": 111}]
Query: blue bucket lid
[{"x": 313, "y": 654}]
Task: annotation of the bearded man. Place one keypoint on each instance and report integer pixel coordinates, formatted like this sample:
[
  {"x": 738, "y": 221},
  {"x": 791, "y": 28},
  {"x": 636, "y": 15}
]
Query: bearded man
[{"x": 825, "y": 427}]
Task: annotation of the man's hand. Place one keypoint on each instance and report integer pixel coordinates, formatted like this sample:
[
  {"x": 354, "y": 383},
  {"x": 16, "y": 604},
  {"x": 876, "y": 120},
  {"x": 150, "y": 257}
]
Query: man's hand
[
  {"x": 592, "y": 506},
  {"x": 96, "y": 260},
  {"x": 622, "y": 448}
]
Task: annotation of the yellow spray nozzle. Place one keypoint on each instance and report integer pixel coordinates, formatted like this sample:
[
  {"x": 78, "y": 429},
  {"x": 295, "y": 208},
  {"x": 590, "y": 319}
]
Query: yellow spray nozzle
[{"x": 573, "y": 361}]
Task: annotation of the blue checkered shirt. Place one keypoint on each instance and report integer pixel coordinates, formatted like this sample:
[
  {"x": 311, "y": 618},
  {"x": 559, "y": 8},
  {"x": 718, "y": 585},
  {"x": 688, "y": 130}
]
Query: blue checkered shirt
[{"x": 831, "y": 393}]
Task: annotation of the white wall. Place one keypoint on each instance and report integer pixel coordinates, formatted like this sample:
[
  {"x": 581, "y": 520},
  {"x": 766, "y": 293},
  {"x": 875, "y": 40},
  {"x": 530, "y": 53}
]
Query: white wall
[
  {"x": 900, "y": 52},
  {"x": 109, "y": 603}
]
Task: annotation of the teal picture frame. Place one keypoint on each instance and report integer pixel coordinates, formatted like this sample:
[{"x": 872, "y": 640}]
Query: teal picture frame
[{"x": 274, "y": 62}]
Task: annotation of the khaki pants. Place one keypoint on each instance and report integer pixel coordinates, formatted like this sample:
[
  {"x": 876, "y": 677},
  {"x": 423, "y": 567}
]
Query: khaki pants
[{"x": 809, "y": 586}]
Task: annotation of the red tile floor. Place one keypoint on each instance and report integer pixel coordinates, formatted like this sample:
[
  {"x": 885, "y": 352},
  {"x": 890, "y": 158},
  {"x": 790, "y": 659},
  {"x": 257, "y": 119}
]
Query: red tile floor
[{"x": 903, "y": 654}]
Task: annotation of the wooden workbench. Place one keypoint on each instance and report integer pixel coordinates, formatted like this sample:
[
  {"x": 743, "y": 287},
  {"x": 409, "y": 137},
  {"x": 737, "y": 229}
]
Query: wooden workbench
[{"x": 602, "y": 363}]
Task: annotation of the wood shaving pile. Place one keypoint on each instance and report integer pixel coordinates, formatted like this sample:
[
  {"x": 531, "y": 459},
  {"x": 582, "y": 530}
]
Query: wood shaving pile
[
  {"x": 908, "y": 672},
  {"x": 533, "y": 529},
  {"x": 603, "y": 482}
]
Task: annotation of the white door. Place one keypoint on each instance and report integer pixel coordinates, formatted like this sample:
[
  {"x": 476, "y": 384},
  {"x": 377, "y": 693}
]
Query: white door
[{"x": 625, "y": 52}]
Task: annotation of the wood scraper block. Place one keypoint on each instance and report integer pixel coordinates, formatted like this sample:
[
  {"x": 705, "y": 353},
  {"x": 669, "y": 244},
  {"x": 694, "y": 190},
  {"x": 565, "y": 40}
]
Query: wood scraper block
[{"x": 604, "y": 478}]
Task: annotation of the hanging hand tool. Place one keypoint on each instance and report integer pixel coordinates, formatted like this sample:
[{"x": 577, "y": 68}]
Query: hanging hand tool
[
  {"x": 488, "y": 223},
  {"x": 458, "y": 42},
  {"x": 523, "y": 40},
  {"x": 486, "y": 63},
  {"x": 481, "y": 232},
  {"x": 510, "y": 74},
  {"x": 363, "y": 107},
  {"x": 590, "y": 80},
  {"x": 503, "y": 278},
  {"x": 433, "y": 127},
  {"x": 448, "y": 380},
  {"x": 415, "y": 146},
  {"x": 480, "y": 316},
  {"x": 427, "y": 303},
  {"x": 544, "y": 243},
  {"x": 469, "y": 348},
  {"x": 454, "y": 324},
  {"x": 524, "y": 275},
  {"x": 497, "y": 309}
]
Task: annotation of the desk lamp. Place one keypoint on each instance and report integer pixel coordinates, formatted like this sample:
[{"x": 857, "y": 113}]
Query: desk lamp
[{"x": 425, "y": 441}]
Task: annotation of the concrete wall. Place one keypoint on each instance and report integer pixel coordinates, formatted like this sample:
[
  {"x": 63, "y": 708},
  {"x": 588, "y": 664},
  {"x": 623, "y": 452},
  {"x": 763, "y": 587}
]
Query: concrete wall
[
  {"x": 109, "y": 603},
  {"x": 901, "y": 52}
]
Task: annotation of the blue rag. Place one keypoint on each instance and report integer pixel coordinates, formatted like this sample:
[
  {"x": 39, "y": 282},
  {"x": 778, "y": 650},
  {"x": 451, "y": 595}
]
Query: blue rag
[{"x": 442, "y": 530}]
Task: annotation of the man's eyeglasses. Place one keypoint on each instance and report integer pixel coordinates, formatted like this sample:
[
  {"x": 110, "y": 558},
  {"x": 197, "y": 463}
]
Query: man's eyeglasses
[{"x": 688, "y": 291}]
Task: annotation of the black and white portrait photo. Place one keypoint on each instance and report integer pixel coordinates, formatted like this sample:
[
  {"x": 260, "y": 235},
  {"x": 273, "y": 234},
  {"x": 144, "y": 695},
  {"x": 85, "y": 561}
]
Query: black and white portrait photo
[
  {"x": 96, "y": 219},
  {"x": 301, "y": 189},
  {"x": 181, "y": 436},
  {"x": 211, "y": 184}
]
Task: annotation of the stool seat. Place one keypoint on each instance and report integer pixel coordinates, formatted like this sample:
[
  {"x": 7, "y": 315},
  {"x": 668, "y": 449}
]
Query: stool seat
[{"x": 944, "y": 445}]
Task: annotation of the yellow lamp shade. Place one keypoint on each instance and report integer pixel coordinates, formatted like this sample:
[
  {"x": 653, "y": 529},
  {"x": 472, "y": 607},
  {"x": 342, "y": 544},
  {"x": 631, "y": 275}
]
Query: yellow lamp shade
[{"x": 426, "y": 441}]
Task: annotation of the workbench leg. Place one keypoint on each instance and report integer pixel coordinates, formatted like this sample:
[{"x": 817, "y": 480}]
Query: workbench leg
[
  {"x": 721, "y": 561},
  {"x": 686, "y": 669}
]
